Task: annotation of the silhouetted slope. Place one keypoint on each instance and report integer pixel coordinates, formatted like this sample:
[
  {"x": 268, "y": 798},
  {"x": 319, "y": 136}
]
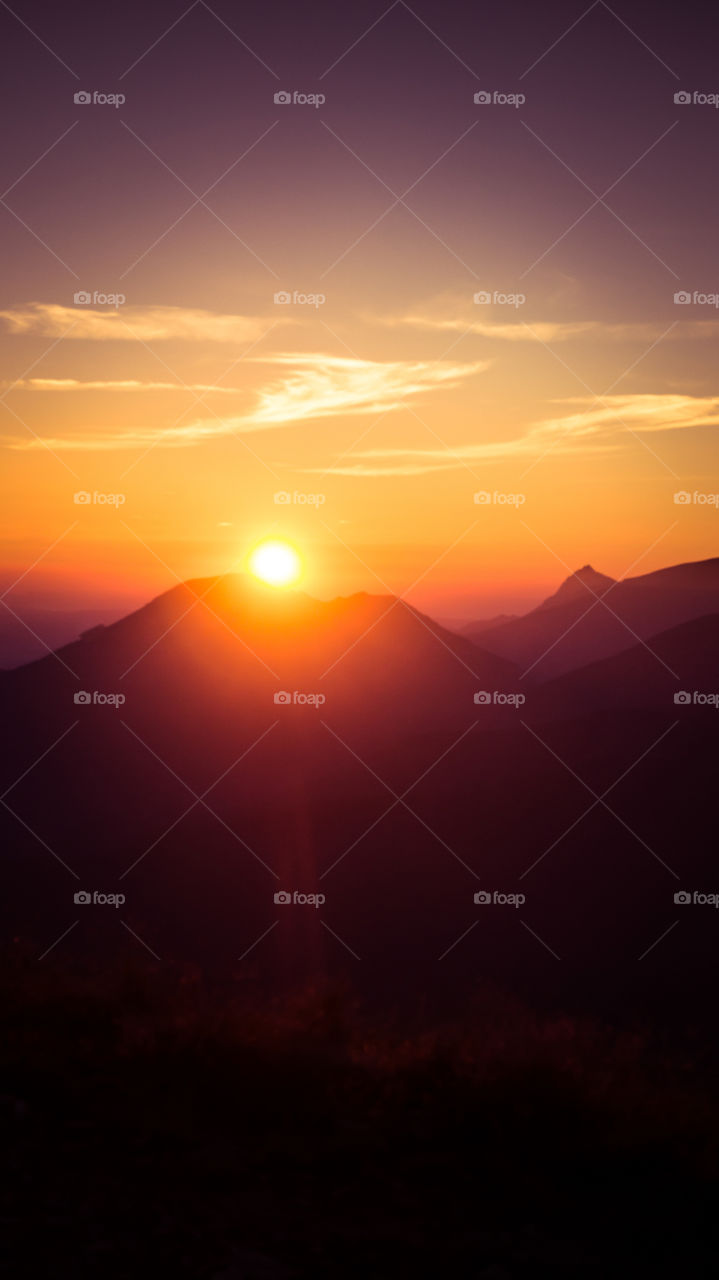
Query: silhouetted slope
[
  {"x": 28, "y": 633},
  {"x": 399, "y": 797},
  {"x": 590, "y": 617},
  {"x": 682, "y": 660},
  {"x": 583, "y": 586}
]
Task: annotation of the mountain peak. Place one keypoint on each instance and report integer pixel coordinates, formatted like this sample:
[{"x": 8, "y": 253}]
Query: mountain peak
[{"x": 585, "y": 582}]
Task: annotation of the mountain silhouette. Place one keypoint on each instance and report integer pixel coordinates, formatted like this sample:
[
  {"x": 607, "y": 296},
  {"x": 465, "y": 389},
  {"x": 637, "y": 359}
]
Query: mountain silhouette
[
  {"x": 28, "y": 633},
  {"x": 650, "y": 675},
  {"x": 592, "y": 616},
  {"x": 430, "y": 771},
  {"x": 584, "y": 585}
]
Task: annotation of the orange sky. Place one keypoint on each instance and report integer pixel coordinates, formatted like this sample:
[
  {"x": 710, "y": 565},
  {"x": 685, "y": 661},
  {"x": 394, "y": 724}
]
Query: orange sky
[
  {"x": 381, "y": 456},
  {"x": 383, "y": 394}
]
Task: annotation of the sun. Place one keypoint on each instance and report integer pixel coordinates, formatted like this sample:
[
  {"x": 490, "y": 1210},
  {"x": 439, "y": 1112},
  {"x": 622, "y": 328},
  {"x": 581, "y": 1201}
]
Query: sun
[{"x": 275, "y": 562}]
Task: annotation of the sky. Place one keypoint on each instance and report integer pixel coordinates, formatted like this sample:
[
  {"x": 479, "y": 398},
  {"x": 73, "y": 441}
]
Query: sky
[{"x": 276, "y": 272}]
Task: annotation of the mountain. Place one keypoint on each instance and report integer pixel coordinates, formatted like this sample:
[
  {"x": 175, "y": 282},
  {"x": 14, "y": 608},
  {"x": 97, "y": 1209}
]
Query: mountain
[
  {"x": 673, "y": 664},
  {"x": 479, "y": 625},
  {"x": 29, "y": 633},
  {"x": 583, "y": 586},
  {"x": 185, "y": 786},
  {"x": 574, "y": 627},
  {"x": 231, "y": 644}
]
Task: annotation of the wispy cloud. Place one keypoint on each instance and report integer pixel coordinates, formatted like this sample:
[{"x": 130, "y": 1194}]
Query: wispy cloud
[
  {"x": 517, "y": 329},
  {"x": 316, "y": 387},
  {"x": 128, "y": 323},
  {"x": 646, "y": 413},
  {"x": 325, "y": 386},
  {"x": 590, "y": 428},
  {"x": 119, "y": 384}
]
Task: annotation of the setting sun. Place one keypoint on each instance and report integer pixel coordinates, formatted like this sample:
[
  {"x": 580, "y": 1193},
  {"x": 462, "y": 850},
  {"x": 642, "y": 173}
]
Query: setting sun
[{"x": 276, "y": 563}]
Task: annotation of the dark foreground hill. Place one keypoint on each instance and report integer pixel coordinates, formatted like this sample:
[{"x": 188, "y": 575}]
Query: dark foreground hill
[
  {"x": 409, "y": 970},
  {"x": 155, "y": 1124}
]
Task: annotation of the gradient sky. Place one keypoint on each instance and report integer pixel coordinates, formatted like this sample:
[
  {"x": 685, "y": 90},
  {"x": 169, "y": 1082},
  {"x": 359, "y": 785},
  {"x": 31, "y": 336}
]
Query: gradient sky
[{"x": 398, "y": 199}]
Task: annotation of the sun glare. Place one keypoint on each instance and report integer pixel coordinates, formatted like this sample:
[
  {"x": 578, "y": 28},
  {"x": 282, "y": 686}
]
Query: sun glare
[{"x": 276, "y": 563}]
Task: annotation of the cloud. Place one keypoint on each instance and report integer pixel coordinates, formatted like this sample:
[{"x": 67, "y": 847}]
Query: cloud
[
  {"x": 325, "y": 386},
  {"x": 519, "y": 330},
  {"x": 316, "y": 387},
  {"x": 120, "y": 384},
  {"x": 128, "y": 324},
  {"x": 640, "y": 413},
  {"x": 592, "y": 427}
]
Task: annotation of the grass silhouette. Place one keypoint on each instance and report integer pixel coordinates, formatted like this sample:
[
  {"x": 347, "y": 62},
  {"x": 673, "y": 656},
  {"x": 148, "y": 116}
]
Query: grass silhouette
[{"x": 157, "y": 1121}]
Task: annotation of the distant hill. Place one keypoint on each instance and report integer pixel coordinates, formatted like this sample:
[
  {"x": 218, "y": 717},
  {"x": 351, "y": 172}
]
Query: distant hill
[
  {"x": 29, "y": 635},
  {"x": 683, "y": 660},
  {"x": 584, "y": 585},
  {"x": 576, "y": 626}
]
